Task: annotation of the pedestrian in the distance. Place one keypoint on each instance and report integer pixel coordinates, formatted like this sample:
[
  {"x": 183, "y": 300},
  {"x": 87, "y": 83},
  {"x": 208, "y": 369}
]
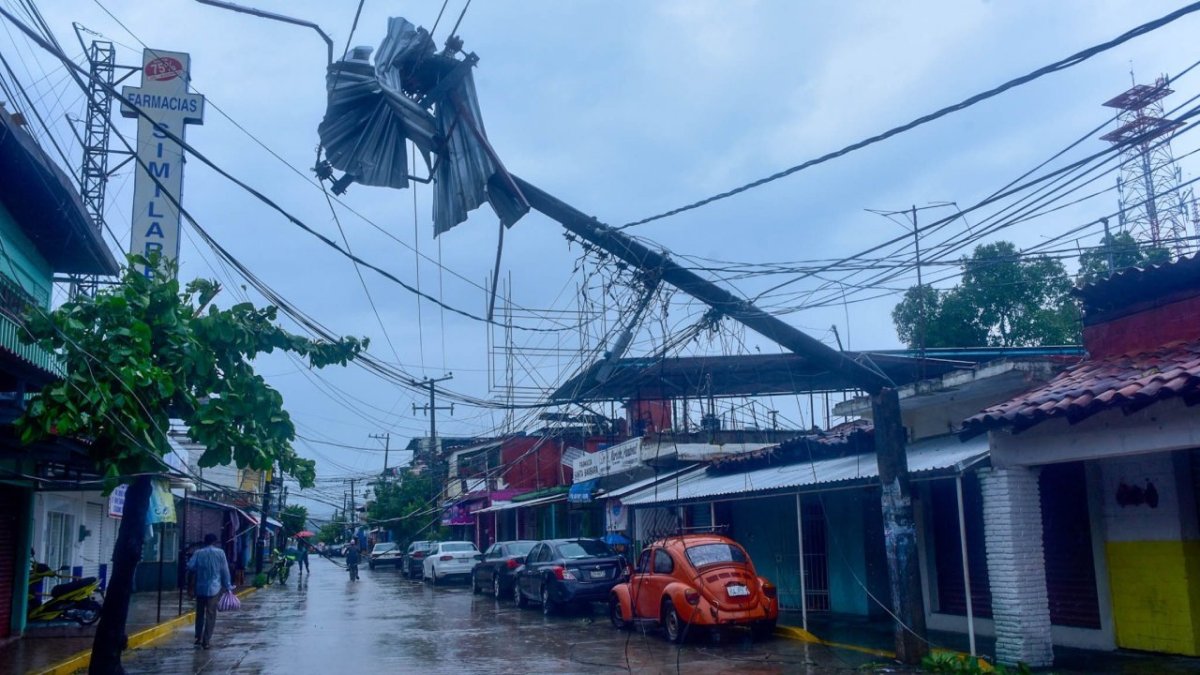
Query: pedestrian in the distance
[
  {"x": 302, "y": 557},
  {"x": 352, "y": 560},
  {"x": 212, "y": 579}
]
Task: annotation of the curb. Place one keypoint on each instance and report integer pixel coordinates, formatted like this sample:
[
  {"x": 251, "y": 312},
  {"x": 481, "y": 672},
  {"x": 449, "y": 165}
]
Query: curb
[
  {"x": 801, "y": 635},
  {"x": 139, "y": 639}
]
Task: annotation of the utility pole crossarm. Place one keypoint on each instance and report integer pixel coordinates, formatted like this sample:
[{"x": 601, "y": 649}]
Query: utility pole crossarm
[{"x": 743, "y": 311}]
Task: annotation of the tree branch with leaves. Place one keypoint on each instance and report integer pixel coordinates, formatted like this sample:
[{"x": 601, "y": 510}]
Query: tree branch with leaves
[{"x": 147, "y": 351}]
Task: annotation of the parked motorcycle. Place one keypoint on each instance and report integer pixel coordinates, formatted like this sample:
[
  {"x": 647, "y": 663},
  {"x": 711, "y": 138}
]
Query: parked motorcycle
[
  {"x": 281, "y": 566},
  {"x": 76, "y": 600}
]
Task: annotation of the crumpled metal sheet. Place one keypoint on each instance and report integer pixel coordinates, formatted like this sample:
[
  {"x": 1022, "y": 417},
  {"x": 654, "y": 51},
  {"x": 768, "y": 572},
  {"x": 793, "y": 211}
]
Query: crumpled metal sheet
[{"x": 372, "y": 110}]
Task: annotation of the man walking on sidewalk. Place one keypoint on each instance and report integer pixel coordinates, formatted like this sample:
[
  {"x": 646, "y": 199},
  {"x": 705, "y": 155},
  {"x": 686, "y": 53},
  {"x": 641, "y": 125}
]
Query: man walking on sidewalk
[{"x": 212, "y": 578}]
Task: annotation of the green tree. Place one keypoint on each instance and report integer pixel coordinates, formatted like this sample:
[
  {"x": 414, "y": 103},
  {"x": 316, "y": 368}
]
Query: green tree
[
  {"x": 141, "y": 353},
  {"x": 1123, "y": 250},
  {"x": 404, "y": 509},
  {"x": 331, "y": 533},
  {"x": 1003, "y": 300},
  {"x": 294, "y": 517}
]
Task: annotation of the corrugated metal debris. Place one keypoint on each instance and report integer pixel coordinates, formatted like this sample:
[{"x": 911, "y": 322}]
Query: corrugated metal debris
[{"x": 414, "y": 92}]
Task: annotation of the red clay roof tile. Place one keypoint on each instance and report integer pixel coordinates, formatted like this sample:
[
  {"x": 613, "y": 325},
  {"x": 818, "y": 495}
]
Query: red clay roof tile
[{"x": 1093, "y": 386}]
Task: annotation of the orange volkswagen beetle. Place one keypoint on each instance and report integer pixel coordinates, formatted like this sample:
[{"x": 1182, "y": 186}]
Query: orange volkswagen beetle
[{"x": 695, "y": 580}]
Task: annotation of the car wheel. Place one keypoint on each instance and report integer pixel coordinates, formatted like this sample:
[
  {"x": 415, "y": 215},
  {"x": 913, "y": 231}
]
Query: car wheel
[
  {"x": 497, "y": 591},
  {"x": 547, "y": 604},
  {"x": 433, "y": 578},
  {"x": 371, "y": 565},
  {"x": 615, "y": 615},
  {"x": 673, "y": 626},
  {"x": 763, "y": 629},
  {"x": 518, "y": 596},
  {"x": 475, "y": 584}
]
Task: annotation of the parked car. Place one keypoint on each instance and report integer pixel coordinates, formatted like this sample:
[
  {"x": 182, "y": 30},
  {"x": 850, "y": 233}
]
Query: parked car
[
  {"x": 384, "y": 553},
  {"x": 560, "y": 572},
  {"x": 695, "y": 580},
  {"x": 495, "y": 572},
  {"x": 449, "y": 558},
  {"x": 413, "y": 564}
]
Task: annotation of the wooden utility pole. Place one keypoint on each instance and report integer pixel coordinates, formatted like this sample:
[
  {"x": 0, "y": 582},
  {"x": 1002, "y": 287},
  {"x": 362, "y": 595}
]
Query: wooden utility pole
[{"x": 890, "y": 436}]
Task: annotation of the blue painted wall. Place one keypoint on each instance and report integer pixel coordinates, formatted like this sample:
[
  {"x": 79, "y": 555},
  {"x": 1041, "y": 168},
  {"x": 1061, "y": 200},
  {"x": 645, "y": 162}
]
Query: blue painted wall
[{"x": 766, "y": 528}]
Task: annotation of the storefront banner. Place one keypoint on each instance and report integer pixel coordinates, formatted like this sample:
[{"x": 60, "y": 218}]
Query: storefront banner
[
  {"x": 162, "y": 503},
  {"x": 617, "y": 516},
  {"x": 621, "y": 457}
]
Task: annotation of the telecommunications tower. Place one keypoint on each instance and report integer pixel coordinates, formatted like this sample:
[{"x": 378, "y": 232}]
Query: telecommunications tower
[
  {"x": 1155, "y": 209},
  {"x": 94, "y": 172}
]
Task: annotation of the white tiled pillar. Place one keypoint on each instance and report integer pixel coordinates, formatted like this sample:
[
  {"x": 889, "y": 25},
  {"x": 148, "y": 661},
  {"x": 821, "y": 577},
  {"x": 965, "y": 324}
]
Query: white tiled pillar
[{"x": 1012, "y": 523}]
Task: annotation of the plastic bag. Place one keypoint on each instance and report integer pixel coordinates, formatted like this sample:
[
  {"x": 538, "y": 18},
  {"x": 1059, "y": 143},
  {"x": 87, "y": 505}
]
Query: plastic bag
[{"x": 228, "y": 602}]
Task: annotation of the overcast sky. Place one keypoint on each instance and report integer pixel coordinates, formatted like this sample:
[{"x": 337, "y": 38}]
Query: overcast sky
[{"x": 624, "y": 109}]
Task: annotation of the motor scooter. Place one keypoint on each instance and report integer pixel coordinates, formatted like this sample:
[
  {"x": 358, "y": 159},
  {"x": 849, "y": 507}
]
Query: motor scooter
[{"x": 76, "y": 600}]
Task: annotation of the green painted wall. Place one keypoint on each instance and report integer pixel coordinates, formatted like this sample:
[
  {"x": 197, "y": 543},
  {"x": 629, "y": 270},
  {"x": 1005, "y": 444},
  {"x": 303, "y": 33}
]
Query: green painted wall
[{"x": 21, "y": 261}]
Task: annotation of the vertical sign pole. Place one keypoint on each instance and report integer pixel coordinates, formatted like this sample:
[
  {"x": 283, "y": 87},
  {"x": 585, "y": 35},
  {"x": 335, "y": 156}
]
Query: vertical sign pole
[{"x": 167, "y": 103}]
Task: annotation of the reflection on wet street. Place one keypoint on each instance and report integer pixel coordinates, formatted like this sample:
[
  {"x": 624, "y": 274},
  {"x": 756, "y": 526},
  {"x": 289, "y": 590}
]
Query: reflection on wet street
[{"x": 384, "y": 623}]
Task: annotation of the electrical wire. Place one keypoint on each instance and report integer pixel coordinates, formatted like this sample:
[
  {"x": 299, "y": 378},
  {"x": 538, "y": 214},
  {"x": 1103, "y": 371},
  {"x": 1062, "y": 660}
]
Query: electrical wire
[{"x": 1063, "y": 64}]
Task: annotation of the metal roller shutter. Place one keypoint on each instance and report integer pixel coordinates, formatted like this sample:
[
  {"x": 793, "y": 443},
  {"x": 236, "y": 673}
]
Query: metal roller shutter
[
  {"x": 10, "y": 506},
  {"x": 699, "y": 516}
]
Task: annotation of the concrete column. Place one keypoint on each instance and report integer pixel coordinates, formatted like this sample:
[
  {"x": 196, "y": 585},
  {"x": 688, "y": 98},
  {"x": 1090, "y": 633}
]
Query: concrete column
[{"x": 1012, "y": 519}]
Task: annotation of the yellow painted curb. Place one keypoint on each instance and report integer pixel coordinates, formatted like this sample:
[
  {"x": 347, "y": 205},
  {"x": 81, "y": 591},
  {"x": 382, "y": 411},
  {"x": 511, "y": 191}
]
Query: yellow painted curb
[
  {"x": 794, "y": 633},
  {"x": 141, "y": 638}
]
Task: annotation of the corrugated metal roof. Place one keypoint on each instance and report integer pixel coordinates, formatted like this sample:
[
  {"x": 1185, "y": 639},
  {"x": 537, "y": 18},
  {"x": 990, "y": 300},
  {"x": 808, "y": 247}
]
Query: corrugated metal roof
[
  {"x": 504, "y": 506},
  {"x": 617, "y": 493},
  {"x": 941, "y": 454}
]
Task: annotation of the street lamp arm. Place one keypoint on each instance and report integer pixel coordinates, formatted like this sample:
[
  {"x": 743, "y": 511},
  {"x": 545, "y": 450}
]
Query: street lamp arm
[{"x": 276, "y": 17}]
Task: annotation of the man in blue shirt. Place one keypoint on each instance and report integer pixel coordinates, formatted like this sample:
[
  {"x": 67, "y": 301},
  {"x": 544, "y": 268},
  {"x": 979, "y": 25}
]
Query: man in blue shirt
[{"x": 212, "y": 578}]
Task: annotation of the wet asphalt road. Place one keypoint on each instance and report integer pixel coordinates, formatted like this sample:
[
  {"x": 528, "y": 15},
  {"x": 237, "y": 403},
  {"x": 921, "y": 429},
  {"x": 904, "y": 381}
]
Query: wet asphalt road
[{"x": 387, "y": 624}]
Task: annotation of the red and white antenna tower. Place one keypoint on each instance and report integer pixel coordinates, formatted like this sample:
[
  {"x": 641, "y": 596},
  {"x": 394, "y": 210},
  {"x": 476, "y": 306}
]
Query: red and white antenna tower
[{"x": 1154, "y": 208}]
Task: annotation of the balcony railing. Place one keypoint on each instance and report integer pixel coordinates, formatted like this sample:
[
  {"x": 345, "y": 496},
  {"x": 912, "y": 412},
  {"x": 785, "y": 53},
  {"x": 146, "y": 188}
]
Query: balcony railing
[{"x": 14, "y": 302}]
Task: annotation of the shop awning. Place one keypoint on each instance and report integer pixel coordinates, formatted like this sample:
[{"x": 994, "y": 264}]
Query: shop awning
[
  {"x": 944, "y": 455},
  {"x": 505, "y": 506},
  {"x": 581, "y": 493}
]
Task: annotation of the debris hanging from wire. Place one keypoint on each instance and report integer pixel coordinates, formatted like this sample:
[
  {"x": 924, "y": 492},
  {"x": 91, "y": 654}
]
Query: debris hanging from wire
[{"x": 415, "y": 93}]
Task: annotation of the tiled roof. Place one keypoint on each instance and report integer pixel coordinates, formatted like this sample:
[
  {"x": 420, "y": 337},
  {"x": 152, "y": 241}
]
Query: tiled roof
[
  {"x": 848, "y": 437},
  {"x": 1130, "y": 381}
]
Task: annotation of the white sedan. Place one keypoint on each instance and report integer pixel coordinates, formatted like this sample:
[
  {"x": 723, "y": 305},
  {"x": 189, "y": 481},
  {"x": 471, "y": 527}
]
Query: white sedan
[{"x": 450, "y": 558}]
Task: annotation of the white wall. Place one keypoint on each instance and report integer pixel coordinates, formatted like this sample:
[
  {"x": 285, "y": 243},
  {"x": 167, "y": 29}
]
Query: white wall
[
  {"x": 89, "y": 509},
  {"x": 1172, "y": 520}
]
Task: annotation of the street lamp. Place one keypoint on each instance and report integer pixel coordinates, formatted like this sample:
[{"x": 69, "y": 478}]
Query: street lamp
[{"x": 276, "y": 17}]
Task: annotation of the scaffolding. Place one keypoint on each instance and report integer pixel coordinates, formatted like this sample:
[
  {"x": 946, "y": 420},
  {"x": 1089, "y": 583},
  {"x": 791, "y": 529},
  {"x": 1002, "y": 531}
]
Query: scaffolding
[{"x": 1155, "y": 209}]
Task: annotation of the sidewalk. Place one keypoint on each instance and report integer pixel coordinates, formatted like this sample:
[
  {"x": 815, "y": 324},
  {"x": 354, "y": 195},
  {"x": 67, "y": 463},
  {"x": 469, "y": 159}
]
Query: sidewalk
[
  {"x": 869, "y": 634},
  {"x": 45, "y": 645}
]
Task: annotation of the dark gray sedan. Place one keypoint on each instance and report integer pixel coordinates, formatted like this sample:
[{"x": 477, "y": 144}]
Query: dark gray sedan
[{"x": 494, "y": 574}]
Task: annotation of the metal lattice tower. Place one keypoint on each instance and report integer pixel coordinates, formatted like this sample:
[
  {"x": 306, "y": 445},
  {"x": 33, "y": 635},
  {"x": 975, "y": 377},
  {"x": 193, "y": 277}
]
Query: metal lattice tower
[
  {"x": 93, "y": 174},
  {"x": 1154, "y": 209}
]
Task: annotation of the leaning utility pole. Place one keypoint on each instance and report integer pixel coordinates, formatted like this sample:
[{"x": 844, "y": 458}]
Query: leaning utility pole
[
  {"x": 890, "y": 436},
  {"x": 386, "y": 437}
]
